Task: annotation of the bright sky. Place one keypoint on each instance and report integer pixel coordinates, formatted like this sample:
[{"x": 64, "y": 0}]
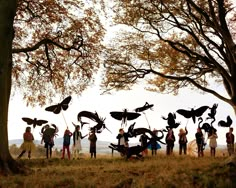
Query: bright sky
[{"x": 91, "y": 100}]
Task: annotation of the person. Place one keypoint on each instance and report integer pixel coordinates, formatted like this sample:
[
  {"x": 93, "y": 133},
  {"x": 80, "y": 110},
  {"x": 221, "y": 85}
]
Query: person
[
  {"x": 66, "y": 143},
  {"x": 123, "y": 142},
  {"x": 93, "y": 139},
  {"x": 230, "y": 141},
  {"x": 154, "y": 143},
  {"x": 48, "y": 134},
  {"x": 200, "y": 142},
  {"x": 143, "y": 139},
  {"x": 170, "y": 140},
  {"x": 183, "y": 141},
  {"x": 212, "y": 136},
  {"x": 77, "y": 137},
  {"x": 28, "y": 144}
]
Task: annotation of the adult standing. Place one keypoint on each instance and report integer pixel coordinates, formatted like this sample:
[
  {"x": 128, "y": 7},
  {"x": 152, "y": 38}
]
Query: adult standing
[{"x": 230, "y": 141}]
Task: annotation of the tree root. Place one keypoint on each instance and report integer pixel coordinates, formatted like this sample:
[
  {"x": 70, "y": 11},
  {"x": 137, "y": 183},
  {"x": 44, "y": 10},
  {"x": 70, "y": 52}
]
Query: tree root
[{"x": 11, "y": 167}]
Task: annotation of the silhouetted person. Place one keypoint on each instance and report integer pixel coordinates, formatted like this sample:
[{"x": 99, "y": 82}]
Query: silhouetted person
[
  {"x": 66, "y": 143},
  {"x": 123, "y": 141},
  {"x": 200, "y": 142},
  {"x": 28, "y": 144},
  {"x": 212, "y": 136},
  {"x": 183, "y": 141},
  {"x": 93, "y": 139},
  {"x": 170, "y": 140},
  {"x": 143, "y": 139},
  {"x": 230, "y": 141}
]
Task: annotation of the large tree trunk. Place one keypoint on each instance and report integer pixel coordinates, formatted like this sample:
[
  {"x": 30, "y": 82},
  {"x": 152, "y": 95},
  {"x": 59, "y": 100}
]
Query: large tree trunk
[{"x": 7, "y": 13}]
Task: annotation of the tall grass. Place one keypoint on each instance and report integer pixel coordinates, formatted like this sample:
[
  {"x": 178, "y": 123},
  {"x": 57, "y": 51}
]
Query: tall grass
[{"x": 106, "y": 171}]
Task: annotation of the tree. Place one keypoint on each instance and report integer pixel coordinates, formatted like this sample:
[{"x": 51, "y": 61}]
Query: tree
[
  {"x": 174, "y": 44},
  {"x": 47, "y": 47}
]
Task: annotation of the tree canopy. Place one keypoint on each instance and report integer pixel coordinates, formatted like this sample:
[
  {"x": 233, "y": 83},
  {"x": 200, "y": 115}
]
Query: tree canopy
[
  {"x": 47, "y": 47},
  {"x": 56, "y": 48},
  {"x": 174, "y": 44}
]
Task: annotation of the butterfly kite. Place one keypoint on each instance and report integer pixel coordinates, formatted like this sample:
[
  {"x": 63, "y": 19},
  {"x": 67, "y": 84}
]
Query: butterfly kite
[
  {"x": 192, "y": 113},
  {"x": 56, "y": 109},
  {"x": 34, "y": 121}
]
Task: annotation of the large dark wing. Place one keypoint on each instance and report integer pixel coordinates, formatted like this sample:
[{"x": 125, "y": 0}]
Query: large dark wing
[
  {"x": 117, "y": 115},
  {"x": 28, "y": 120},
  {"x": 65, "y": 103},
  {"x": 40, "y": 122},
  {"x": 54, "y": 108},
  {"x": 198, "y": 112},
  {"x": 185, "y": 113},
  {"x": 132, "y": 115}
]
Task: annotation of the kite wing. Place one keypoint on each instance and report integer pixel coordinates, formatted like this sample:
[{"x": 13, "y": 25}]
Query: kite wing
[
  {"x": 65, "y": 103},
  {"x": 132, "y": 115},
  {"x": 185, "y": 113},
  {"x": 40, "y": 122},
  {"x": 198, "y": 112},
  {"x": 29, "y": 121},
  {"x": 117, "y": 115},
  {"x": 56, "y": 109}
]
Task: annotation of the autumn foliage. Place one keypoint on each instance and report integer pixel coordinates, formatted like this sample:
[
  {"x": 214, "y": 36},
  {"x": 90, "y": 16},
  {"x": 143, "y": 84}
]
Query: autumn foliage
[{"x": 168, "y": 45}]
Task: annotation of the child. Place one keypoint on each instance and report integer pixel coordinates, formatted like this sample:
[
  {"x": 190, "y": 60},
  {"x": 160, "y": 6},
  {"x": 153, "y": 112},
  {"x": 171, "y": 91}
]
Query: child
[
  {"x": 154, "y": 143},
  {"x": 230, "y": 141},
  {"x": 93, "y": 139},
  {"x": 212, "y": 136},
  {"x": 183, "y": 141},
  {"x": 77, "y": 136},
  {"x": 28, "y": 144},
  {"x": 48, "y": 134},
  {"x": 123, "y": 142},
  {"x": 143, "y": 139},
  {"x": 200, "y": 142},
  {"x": 66, "y": 143},
  {"x": 170, "y": 140}
]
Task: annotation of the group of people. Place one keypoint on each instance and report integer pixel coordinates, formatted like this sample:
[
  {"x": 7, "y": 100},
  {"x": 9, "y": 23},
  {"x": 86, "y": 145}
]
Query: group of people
[
  {"x": 200, "y": 140},
  {"x": 28, "y": 144},
  {"x": 48, "y": 140}
]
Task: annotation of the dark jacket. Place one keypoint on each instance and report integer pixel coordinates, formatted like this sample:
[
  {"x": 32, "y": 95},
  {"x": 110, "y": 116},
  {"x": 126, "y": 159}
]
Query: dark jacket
[
  {"x": 199, "y": 138},
  {"x": 125, "y": 135}
]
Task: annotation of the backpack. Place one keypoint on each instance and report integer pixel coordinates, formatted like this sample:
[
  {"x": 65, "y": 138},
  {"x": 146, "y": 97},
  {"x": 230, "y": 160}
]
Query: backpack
[{"x": 66, "y": 141}]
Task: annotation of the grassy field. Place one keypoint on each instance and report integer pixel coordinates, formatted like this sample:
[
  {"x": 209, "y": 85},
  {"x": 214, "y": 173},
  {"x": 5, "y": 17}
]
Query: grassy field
[{"x": 106, "y": 171}]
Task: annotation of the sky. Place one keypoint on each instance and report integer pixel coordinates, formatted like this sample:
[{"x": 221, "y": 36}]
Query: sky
[{"x": 92, "y": 100}]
